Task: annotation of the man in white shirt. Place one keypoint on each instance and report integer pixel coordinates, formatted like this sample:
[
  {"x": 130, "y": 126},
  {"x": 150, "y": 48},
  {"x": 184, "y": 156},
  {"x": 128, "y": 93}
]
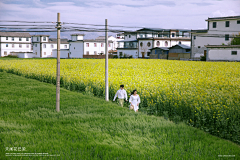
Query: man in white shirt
[{"x": 121, "y": 94}]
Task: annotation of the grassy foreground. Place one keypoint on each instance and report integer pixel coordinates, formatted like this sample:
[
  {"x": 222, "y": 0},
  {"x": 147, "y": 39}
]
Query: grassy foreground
[{"x": 90, "y": 128}]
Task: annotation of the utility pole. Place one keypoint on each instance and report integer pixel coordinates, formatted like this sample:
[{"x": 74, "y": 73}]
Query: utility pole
[
  {"x": 106, "y": 62},
  {"x": 58, "y": 64}
]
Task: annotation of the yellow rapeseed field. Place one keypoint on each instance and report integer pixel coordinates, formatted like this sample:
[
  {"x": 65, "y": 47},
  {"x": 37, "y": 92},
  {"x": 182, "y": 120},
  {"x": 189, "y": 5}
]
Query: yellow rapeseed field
[{"x": 204, "y": 94}]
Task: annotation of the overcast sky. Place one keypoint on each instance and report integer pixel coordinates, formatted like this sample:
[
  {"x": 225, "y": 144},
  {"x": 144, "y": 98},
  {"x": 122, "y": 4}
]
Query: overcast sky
[{"x": 182, "y": 14}]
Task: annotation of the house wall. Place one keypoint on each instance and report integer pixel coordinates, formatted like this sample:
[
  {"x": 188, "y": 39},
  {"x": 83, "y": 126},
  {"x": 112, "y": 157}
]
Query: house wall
[
  {"x": 133, "y": 37},
  {"x": 63, "y": 53},
  {"x": 26, "y": 45},
  {"x": 144, "y": 48},
  {"x": 76, "y": 49},
  {"x": 47, "y": 51},
  {"x": 158, "y": 54},
  {"x": 6, "y": 50},
  {"x": 132, "y": 52},
  {"x": 26, "y": 55},
  {"x": 198, "y": 44},
  {"x": 178, "y": 56},
  {"x": 223, "y": 54},
  {"x": 233, "y": 26},
  {"x": 99, "y": 49}
]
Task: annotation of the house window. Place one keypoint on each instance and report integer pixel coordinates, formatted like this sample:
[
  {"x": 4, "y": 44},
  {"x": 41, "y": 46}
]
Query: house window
[
  {"x": 27, "y": 45},
  {"x": 87, "y": 44},
  {"x": 227, "y": 24},
  {"x": 129, "y": 36},
  {"x": 45, "y": 53},
  {"x": 36, "y": 53},
  {"x": 194, "y": 37},
  {"x": 148, "y": 44},
  {"x": 173, "y": 34},
  {"x": 44, "y": 45},
  {"x": 87, "y": 52},
  {"x": 95, "y": 44},
  {"x": 158, "y": 43},
  {"x": 6, "y": 45},
  {"x": 141, "y": 44},
  {"x": 234, "y": 52},
  {"x": 148, "y": 53},
  {"x": 12, "y": 38},
  {"x": 179, "y": 42},
  {"x": 109, "y": 45},
  {"x": 6, "y": 38},
  {"x": 166, "y": 43},
  {"x": 101, "y": 44},
  {"x": 37, "y": 38},
  {"x": 12, "y": 45},
  {"x": 20, "y": 45},
  {"x": 238, "y": 22},
  {"x": 52, "y": 46},
  {"x": 199, "y": 47},
  {"x": 27, "y": 39},
  {"x": 214, "y": 25},
  {"x": 65, "y": 46},
  {"x": 226, "y": 37},
  {"x": 95, "y": 52},
  {"x": 5, "y": 53},
  {"x": 35, "y": 45},
  {"x": 44, "y": 38},
  {"x": 20, "y": 38}
]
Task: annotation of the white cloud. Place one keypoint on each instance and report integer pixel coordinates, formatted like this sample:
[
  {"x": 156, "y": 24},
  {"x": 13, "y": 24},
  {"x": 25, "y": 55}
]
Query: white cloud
[{"x": 149, "y": 13}]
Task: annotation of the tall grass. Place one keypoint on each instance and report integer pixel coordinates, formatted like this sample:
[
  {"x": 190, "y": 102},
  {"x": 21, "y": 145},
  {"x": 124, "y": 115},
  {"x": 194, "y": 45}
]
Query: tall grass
[
  {"x": 91, "y": 128},
  {"x": 202, "y": 94}
]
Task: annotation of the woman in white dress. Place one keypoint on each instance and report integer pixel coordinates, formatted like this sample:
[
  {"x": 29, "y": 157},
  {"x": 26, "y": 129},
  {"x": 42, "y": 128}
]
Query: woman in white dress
[{"x": 134, "y": 100}]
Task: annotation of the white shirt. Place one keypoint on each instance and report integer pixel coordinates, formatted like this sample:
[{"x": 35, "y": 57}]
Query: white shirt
[
  {"x": 134, "y": 99},
  {"x": 121, "y": 94}
]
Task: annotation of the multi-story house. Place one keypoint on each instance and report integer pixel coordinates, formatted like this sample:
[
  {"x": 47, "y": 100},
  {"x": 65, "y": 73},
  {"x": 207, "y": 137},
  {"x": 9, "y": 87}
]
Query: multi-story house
[
  {"x": 43, "y": 46},
  {"x": 14, "y": 42},
  {"x": 79, "y": 47},
  {"x": 138, "y": 44},
  {"x": 219, "y": 32}
]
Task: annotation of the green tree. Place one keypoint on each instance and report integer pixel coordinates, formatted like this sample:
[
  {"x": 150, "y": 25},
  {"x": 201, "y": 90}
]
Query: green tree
[{"x": 236, "y": 40}]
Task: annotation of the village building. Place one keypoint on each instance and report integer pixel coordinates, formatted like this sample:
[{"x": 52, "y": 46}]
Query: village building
[
  {"x": 179, "y": 52},
  {"x": 220, "y": 31},
  {"x": 138, "y": 43},
  {"x": 43, "y": 46},
  {"x": 14, "y": 42},
  {"x": 223, "y": 52},
  {"x": 159, "y": 53},
  {"x": 81, "y": 48}
]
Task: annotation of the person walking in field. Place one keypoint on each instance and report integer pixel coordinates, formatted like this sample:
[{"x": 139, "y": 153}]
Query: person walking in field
[
  {"x": 134, "y": 100},
  {"x": 121, "y": 94}
]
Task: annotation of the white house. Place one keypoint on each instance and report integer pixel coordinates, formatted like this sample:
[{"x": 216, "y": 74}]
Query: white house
[
  {"x": 220, "y": 31},
  {"x": 43, "y": 46},
  {"x": 79, "y": 46},
  {"x": 223, "y": 52},
  {"x": 138, "y": 44},
  {"x": 14, "y": 42}
]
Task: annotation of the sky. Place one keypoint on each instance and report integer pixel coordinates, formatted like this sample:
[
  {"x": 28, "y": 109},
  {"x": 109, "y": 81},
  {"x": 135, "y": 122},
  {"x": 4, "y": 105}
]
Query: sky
[{"x": 173, "y": 14}]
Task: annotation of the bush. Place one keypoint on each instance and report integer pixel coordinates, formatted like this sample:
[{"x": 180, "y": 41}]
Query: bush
[
  {"x": 203, "y": 58},
  {"x": 115, "y": 56},
  {"x": 11, "y": 56}
]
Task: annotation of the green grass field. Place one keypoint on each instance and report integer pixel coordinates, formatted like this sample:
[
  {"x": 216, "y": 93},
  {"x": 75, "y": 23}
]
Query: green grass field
[{"x": 91, "y": 128}]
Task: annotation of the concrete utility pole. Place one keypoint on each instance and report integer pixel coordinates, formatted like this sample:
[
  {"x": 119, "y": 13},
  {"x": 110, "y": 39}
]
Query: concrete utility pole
[
  {"x": 58, "y": 64},
  {"x": 106, "y": 62}
]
